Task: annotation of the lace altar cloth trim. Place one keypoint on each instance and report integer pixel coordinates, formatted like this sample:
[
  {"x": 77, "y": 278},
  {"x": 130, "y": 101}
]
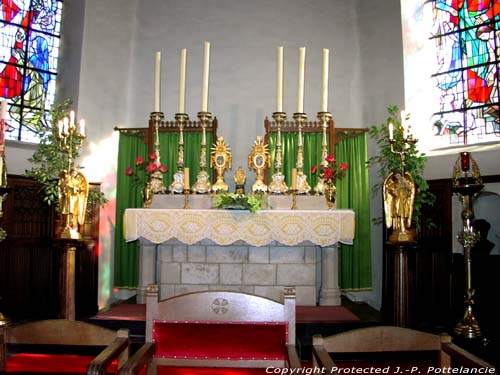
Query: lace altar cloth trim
[{"x": 224, "y": 227}]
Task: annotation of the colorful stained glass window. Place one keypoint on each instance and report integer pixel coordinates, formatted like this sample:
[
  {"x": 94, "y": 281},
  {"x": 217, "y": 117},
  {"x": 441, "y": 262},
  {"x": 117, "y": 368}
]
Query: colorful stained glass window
[
  {"x": 29, "y": 51},
  {"x": 451, "y": 55}
]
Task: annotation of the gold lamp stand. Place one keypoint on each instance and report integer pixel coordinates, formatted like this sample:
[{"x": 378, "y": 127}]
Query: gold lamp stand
[{"x": 466, "y": 184}]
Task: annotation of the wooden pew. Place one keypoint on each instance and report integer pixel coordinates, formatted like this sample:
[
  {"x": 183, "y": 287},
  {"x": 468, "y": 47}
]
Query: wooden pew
[{"x": 60, "y": 345}]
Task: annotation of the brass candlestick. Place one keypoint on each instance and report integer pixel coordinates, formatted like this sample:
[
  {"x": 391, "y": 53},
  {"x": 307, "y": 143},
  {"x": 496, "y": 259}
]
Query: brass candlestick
[
  {"x": 278, "y": 184},
  {"x": 177, "y": 186},
  {"x": 324, "y": 118},
  {"x": 156, "y": 178},
  {"x": 186, "y": 198},
  {"x": 302, "y": 185},
  {"x": 73, "y": 186},
  {"x": 294, "y": 199},
  {"x": 202, "y": 184},
  {"x": 467, "y": 184}
]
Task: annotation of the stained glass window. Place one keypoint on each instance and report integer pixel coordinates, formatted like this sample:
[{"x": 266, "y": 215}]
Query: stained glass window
[
  {"x": 456, "y": 44},
  {"x": 29, "y": 51}
]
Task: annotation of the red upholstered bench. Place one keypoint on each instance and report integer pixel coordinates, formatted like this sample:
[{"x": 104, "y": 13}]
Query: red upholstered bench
[
  {"x": 61, "y": 347},
  {"x": 216, "y": 333}
]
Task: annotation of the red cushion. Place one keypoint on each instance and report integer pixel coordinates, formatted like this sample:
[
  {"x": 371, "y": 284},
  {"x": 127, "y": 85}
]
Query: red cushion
[
  {"x": 52, "y": 363},
  {"x": 209, "y": 371},
  {"x": 220, "y": 340}
]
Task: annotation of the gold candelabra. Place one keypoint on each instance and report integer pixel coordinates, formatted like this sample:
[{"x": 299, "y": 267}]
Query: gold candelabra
[
  {"x": 302, "y": 185},
  {"x": 202, "y": 184},
  {"x": 278, "y": 184},
  {"x": 73, "y": 186},
  {"x": 467, "y": 183},
  {"x": 324, "y": 118}
]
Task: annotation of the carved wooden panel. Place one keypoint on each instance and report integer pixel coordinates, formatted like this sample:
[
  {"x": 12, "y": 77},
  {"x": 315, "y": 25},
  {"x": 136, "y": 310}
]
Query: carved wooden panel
[{"x": 30, "y": 263}]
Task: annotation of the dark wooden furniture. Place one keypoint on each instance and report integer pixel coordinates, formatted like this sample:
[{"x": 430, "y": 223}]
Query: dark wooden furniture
[
  {"x": 62, "y": 346},
  {"x": 402, "y": 349},
  {"x": 31, "y": 261}
]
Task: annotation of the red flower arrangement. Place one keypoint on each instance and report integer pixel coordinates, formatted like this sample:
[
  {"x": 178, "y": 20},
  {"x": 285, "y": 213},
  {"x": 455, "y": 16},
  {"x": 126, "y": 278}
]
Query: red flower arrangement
[
  {"x": 330, "y": 171},
  {"x": 149, "y": 167}
]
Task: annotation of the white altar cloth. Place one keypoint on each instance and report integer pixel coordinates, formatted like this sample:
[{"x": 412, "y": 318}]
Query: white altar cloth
[{"x": 224, "y": 227}]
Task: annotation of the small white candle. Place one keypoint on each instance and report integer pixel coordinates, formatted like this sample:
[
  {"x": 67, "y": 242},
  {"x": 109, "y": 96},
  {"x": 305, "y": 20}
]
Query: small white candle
[
  {"x": 182, "y": 82},
  {"x": 206, "y": 72},
  {"x": 72, "y": 118},
  {"x": 294, "y": 178},
  {"x": 59, "y": 128},
  {"x": 157, "y": 82},
  {"x": 279, "y": 83},
  {"x": 324, "y": 85},
  {"x": 82, "y": 128},
  {"x": 300, "y": 88},
  {"x": 65, "y": 126},
  {"x": 186, "y": 178},
  {"x": 403, "y": 123},
  {"x": 391, "y": 131}
]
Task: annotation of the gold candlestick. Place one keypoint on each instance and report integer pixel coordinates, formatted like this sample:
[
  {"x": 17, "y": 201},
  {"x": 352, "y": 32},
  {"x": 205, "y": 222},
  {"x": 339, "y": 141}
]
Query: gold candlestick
[
  {"x": 177, "y": 186},
  {"x": 467, "y": 184},
  {"x": 278, "y": 184},
  {"x": 302, "y": 185},
  {"x": 324, "y": 118},
  {"x": 156, "y": 179},
  {"x": 202, "y": 184},
  {"x": 186, "y": 199},
  {"x": 294, "y": 199}
]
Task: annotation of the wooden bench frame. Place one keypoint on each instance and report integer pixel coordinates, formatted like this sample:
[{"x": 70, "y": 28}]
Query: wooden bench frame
[
  {"x": 63, "y": 332},
  {"x": 199, "y": 306}
]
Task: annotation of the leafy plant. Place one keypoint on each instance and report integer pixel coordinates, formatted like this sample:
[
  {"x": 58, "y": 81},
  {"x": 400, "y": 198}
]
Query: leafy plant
[
  {"x": 50, "y": 160},
  {"x": 251, "y": 202},
  {"x": 389, "y": 161}
]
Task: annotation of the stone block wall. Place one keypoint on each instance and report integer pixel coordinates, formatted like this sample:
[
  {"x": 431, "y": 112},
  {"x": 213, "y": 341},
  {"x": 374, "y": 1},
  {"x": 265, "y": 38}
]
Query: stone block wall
[{"x": 262, "y": 270}]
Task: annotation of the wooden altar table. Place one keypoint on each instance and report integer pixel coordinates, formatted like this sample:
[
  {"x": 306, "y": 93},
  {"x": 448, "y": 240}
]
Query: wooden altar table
[{"x": 208, "y": 249}]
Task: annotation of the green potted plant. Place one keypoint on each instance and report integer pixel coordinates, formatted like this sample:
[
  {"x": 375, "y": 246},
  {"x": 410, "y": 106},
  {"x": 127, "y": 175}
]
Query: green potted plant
[
  {"x": 387, "y": 161},
  {"x": 49, "y": 160}
]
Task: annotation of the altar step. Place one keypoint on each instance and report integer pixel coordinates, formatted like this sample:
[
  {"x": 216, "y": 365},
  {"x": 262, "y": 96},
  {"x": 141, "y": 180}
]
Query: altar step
[{"x": 310, "y": 320}]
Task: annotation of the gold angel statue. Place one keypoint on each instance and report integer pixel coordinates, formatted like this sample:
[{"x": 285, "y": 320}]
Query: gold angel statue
[
  {"x": 399, "y": 197},
  {"x": 73, "y": 192}
]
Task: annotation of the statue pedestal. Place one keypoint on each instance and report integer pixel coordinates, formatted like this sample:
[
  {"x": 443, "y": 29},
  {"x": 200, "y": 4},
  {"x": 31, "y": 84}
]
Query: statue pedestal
[{"x": 397, "y": 290}]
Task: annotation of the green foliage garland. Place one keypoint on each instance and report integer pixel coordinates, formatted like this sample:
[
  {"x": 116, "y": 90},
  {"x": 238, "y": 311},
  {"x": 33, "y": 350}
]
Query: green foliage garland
[{"x": 234, "y": 201}]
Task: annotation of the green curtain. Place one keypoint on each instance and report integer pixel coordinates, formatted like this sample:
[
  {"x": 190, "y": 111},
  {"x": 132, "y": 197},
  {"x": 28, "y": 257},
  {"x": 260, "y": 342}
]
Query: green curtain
[
  {"x": 311, "y": 147},
  {"x": 128, "y": 195},
  {"x": 354, "y": 193}
]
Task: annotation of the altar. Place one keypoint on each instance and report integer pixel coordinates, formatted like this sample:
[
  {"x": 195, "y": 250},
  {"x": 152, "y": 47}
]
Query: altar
[{"x": 187, "y": 250}]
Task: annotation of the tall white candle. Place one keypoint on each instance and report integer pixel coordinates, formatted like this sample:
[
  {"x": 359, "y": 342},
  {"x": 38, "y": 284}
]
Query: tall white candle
[
  {"x": 182, "y": 82},
  {"x": 206, "y": 72},
  {"x": 157, "y": 82},
  {"x": 324, "y": 85},
  {"x": 279, "y": 81},
  {"x": 186, "y": 178},
  {"x": 391, "y": 131},
  {"x": 300, "y": 88},
  {"x": 72, "y": 118}
]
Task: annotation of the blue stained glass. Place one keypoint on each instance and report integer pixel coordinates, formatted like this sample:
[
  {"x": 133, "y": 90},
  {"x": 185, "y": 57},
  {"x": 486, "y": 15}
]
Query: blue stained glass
[
  {"x": 29, "y": 50},
  {"x": 467, "y": 39}
]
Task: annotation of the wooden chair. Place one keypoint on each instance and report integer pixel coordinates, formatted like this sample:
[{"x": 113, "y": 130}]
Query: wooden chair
[
  {"x": 216, "y": 332},
  {"x": 62, "y": 346},
  {"x": 400, "y": 350}
]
